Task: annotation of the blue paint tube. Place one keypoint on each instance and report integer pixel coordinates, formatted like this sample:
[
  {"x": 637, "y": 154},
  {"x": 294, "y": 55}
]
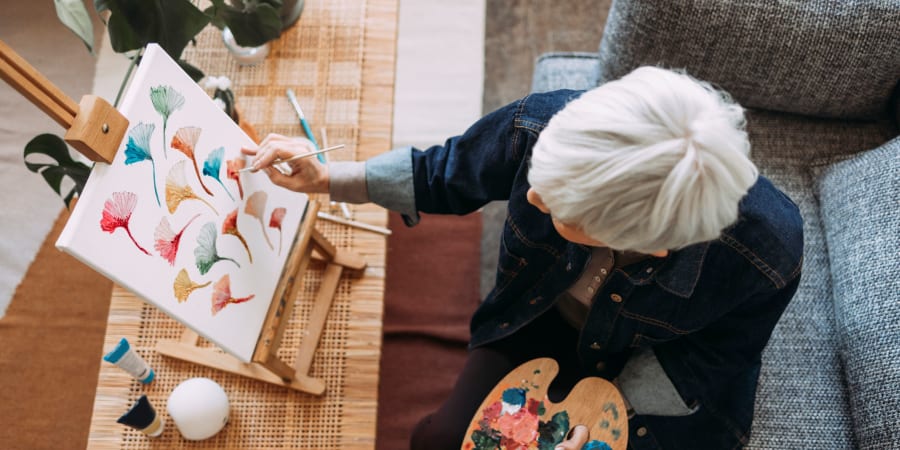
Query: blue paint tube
[
  {"x": 128, "y": 360},
  {"x": 143, "y": 417}
]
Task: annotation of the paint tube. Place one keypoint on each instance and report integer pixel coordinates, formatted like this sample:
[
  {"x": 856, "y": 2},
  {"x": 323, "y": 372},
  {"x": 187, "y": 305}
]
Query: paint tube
[
  {"x": 128, "y": 360},
  {"x": 143, "y": 417}
]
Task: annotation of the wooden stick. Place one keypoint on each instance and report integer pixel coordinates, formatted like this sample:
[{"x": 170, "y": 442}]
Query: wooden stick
[
  {"x": 24, "y": 78},
  {"x": 324, "y": 298},
  {"x": 354, "y": 223}
]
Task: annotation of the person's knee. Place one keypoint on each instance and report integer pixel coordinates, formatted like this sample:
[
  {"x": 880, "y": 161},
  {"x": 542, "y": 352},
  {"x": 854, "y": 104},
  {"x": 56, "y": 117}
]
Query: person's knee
[{"x": 432, "y": 434}]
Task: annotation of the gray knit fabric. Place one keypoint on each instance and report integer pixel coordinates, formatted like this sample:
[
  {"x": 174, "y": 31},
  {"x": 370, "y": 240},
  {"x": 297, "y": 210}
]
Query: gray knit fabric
[
  {"x": 565, "y": 70},
  {"x": 860, "y": 200},
  {"x": 826, "y": 58},
  {"x": 801, "y": 400}
]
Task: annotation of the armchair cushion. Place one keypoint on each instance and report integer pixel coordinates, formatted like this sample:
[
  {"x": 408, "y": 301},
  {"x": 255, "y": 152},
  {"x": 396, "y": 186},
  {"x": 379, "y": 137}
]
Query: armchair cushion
[
  {"x": 822, "y": 58},
  {"x": 565, "y": 70},
  {"x": 860, "y": 201}
]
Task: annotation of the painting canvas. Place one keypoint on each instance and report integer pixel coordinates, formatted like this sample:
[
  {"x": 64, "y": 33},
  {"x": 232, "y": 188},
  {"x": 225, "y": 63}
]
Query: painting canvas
[{"x": 174, "y": 221}]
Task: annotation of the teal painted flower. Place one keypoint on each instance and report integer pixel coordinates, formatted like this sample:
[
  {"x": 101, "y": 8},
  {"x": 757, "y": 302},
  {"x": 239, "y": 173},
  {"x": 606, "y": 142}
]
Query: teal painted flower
[
  {"x": 206, "y": 253},
  {"x": 166, "y": 100},
  {"x": 138, "y": 149},
  {"x": 213, "y": 165}
]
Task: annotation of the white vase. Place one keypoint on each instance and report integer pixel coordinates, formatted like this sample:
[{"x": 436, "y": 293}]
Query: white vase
[{"x": 245, "y": 56}]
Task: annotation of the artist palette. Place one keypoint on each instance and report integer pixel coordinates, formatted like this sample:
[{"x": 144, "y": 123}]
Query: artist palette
[{"x": 518, "y": 415}]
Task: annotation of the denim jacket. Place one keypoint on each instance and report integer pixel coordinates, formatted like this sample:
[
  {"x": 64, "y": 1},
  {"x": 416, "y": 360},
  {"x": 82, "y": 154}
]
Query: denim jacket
[{"x": 706, "y": 311}]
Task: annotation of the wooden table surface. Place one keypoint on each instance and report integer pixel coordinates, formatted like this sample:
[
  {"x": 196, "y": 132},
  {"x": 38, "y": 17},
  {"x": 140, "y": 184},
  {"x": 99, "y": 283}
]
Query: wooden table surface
[{"x": 339, "y": 58}]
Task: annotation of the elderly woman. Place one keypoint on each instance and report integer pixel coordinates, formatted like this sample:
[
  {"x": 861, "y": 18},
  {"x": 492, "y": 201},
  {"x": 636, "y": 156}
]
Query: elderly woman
[{"x": 641, "y": 246}]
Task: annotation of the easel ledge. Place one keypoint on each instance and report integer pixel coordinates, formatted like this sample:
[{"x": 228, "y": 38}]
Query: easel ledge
[{"x": 96, "y": 129}]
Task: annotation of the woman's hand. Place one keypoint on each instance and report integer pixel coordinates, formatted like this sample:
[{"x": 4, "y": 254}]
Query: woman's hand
[
  {"x": 578, "y": 438},
  {"x": 305, "y": 175}
]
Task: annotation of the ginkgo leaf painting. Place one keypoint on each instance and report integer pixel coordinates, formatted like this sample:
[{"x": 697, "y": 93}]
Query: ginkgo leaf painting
[
  {"x": 138, "y": 149},
  {"x": 183, "y": 286},
  {"x": 185, "y": 140},
  {"x": 213, "y": 165},
  {"x": 167, "y": 240},
  {"x": 177, "y": 189},
  {"x": 234, "y": 167},
  {"x": 166, "y": 100},
  {"x": 229, "y": 226},
  {"x": 117, "y": 214},
  {"x": 206, "y": 253},
  {"x": 150, "y": 201},
  {"x": 275, "y": 222},
  {"x": 222, "y": 295},
  {"x": 256, "y": 207}
]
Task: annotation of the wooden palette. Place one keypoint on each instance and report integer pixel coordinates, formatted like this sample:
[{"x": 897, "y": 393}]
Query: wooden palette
[{"x": 517, "y": 414}]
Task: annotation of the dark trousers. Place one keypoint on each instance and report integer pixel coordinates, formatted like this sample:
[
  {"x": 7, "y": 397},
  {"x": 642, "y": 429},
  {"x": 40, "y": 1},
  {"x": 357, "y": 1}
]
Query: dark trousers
[{"x": 548, "y": 336}]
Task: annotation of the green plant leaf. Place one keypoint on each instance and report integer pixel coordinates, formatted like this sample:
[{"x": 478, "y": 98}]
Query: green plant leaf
[
  {"x": 54, "y": 147},
  {"x": 193, "y": 71},
  {"x": 74, "y": 15},
  {"x": 170, "y": 23},
  {"x": 252, "y": 30}
]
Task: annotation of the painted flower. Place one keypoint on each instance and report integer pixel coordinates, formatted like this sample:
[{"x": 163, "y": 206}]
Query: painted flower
[
  {"x": 138, "y": 149},
  {"x": 213, "y": 165},
  {"x": 177, "y": 189},
  {"x": 206, "y": 253},
  {"x": 117, "y": 214},
  {"x": 233, "y": 171},
  {"x": 166, "y": 100},
  {"x": 256, "y": 207},
  {"x": 222, "y": 295},
  {"x": 275, "y": 222},
  {"x": 167, "y": 240},
  {"x": 184, "y": 286},
  {"x": 229, "y": 226},
  {"x": 185, "y": 140}
]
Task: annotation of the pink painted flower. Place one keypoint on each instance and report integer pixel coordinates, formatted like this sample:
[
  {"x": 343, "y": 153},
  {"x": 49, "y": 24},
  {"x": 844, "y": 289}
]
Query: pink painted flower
[{"x": 222, "y": 295}]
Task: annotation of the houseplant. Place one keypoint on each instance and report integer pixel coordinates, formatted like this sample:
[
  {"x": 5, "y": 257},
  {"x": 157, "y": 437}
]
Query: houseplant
[{"x": 131, "y": 25}]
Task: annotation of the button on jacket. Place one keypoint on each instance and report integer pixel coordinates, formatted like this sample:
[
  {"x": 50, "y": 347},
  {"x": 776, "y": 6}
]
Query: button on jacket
[{"x": 706, "y": 311}]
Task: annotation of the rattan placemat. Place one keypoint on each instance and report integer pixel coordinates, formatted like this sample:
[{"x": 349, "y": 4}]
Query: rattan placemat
[{"x": 339, "y": 59}]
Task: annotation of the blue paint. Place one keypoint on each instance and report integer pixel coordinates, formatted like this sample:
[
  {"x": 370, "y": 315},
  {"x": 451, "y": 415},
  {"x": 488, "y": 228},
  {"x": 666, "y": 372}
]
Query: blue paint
[
  {"x": 596, "y": 445},
  {"x": 514, "y": 396},
  {"x": 117, "y": 353}
]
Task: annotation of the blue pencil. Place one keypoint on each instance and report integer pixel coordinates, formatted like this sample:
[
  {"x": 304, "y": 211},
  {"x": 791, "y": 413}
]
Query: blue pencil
[{"x": 303, "y": 123}]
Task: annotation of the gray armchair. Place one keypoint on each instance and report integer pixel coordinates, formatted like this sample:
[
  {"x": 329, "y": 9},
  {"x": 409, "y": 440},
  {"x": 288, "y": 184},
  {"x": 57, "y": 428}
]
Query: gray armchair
[{"x": 820, "y": 81}]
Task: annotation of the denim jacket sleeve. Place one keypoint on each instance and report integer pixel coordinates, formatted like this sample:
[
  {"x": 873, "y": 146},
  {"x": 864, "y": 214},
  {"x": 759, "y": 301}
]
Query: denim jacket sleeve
[{"x": 458, "y": 177}]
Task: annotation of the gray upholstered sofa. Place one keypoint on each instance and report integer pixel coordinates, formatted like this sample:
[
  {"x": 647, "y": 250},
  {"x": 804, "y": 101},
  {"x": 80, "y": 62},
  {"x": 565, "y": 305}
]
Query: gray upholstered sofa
[{"x": 820, "y": 81}]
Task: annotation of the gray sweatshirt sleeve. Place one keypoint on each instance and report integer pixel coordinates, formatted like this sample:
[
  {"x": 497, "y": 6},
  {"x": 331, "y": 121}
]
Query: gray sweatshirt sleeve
[{"x": 386, "y": 180}]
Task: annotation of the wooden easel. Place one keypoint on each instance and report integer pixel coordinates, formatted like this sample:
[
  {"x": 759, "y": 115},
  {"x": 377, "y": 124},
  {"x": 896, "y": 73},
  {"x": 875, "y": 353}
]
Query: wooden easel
[{"x": 96, "y": 129}]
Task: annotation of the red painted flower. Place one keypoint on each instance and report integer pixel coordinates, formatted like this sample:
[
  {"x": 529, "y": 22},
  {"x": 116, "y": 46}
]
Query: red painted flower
[
  {"x": 275, "y": 222},
  {"x": 167, "y": 240},
  {"x": 233, "y": 167},
  {"x": 229, "y": 226},
  {"x": 117, "y": 213}
]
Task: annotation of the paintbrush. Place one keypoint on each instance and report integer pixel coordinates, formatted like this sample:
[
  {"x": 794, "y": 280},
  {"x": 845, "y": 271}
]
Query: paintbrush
[{"x": 296, "y": 157}]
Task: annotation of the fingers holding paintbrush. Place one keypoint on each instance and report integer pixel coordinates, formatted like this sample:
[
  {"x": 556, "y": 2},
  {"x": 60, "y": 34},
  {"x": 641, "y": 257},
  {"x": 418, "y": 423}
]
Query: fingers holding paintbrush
[{"x": 305, "y": 174}]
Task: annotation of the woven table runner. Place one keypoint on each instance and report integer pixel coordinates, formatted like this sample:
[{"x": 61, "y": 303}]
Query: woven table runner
[{"x": 339, "y": 58}]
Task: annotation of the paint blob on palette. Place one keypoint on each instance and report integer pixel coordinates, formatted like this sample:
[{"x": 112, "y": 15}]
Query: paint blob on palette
[
  {"x": 168, "y": 219},
  {"x": 518, "y": 415}
]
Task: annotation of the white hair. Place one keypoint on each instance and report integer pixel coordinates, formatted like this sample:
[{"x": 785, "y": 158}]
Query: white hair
[{"x": 654, "y": 161}]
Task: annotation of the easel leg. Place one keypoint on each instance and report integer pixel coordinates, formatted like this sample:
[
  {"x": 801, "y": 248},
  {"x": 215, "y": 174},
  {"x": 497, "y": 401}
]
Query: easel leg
[{"x": 324, "y": 298}]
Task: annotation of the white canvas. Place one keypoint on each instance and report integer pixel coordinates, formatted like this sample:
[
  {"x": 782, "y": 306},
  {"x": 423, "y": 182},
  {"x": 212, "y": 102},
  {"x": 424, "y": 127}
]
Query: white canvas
[{"x": 136, "y": 252}]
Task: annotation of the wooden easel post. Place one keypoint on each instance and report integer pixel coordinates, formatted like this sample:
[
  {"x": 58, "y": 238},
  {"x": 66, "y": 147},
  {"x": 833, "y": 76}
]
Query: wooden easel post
[
  {"x": 93, "y": 127},
  {"x": 96, "y": 129}
]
